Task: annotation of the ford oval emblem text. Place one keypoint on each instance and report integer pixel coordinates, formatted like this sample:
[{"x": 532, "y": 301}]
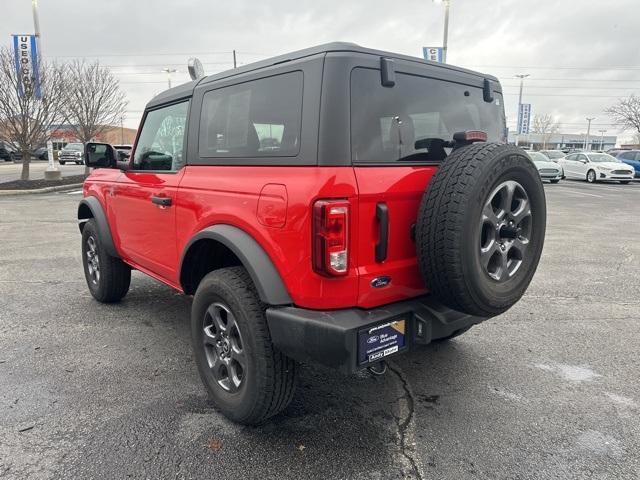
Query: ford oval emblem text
[
  {"x": 380, "y": 282},
  {"x": 373, "y": 339}
]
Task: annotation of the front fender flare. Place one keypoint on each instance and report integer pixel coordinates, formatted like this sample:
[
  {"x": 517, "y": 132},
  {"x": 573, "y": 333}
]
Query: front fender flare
[
  {"x": 97, "y": 213},
  {"x": 264, "y": 274}
]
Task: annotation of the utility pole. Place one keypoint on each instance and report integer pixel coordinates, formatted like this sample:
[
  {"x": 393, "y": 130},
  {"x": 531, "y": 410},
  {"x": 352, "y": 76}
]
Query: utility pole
[
  {"x": 521, "y": 77},
  {"x": 602, "y": 132},
  {"x": 169, "y": 71},
  {"x": 587, "y": 145},
  {"x": 445, "y": 41},
  {"x": 234, "y": 60}
]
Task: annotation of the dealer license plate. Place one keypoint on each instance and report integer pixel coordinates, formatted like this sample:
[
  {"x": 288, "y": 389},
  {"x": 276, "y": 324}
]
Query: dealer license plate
[{"x": 381, "y": 340}]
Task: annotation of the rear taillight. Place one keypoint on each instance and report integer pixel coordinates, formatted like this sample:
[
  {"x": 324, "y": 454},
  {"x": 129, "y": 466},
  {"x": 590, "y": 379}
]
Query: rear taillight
[{"x": 330, "y": 237}]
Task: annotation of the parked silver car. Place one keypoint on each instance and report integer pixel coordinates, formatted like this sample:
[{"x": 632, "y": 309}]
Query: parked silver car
[
  {"x": 72, "y": 153},
  {"x": 547, "y": 169}
]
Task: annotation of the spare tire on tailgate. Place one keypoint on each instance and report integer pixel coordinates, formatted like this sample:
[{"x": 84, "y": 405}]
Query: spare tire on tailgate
[{"x": 481, "y": 228}]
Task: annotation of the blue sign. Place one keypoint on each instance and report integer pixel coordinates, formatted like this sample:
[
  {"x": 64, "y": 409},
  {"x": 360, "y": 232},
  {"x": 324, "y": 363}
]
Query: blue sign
[
  {"x": 524, "y": 118},
  {"x": 432, "y": 53},
  {"x": 25, "y": 48}
]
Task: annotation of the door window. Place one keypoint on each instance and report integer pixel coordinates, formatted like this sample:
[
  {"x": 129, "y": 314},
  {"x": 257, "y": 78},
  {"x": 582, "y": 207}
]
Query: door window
[
  {"x": 260, "y": 118},
  {"x": 160, "y": 145}
]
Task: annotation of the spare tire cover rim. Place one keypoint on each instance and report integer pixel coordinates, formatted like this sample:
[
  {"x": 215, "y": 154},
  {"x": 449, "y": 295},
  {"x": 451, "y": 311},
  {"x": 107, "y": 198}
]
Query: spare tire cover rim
[{"x": 505, "y": 230}]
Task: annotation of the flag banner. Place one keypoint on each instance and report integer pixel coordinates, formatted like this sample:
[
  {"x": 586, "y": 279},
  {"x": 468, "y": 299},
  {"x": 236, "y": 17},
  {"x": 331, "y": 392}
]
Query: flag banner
[
  {"x": 524, "y": 118},
  {"x": 432, "y": 53},
  {"x": 25, "y": 49}
]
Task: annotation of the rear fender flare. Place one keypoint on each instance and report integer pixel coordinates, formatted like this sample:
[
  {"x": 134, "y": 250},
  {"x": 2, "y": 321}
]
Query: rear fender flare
[{"x": 263, "y": 272}]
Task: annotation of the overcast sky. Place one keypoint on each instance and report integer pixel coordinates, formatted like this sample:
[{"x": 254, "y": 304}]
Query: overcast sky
[{"x": 581, "y": 54}]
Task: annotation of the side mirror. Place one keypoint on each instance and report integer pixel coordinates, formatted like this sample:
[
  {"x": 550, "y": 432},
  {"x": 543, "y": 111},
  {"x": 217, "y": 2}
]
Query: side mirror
[{"x": 100, "y": 155}]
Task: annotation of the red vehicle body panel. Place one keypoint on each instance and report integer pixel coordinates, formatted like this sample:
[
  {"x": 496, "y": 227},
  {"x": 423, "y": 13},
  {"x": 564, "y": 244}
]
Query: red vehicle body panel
[{"x": 274, "y": 206}]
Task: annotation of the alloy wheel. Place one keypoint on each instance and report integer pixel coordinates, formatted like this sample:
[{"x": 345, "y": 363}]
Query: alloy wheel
[
  {"x": 505, "y": 230},
  {"x": 224, "y": 347},
  {"x": 93, "y": 260}
]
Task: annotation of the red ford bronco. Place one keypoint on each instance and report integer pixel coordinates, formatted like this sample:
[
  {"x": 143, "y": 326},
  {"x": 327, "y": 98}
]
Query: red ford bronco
[{"x": 337, "y": 205}]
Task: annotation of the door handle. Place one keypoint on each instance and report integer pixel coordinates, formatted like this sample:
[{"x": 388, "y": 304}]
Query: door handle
[
  {"x": 162, "y": 201},
  {"x": 382, "y": 215}
]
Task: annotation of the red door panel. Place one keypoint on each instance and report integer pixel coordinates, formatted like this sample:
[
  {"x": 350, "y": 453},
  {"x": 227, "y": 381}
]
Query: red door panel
[
  {"x": 146, "y": 231},
  {"x": 400, "y": 189}
]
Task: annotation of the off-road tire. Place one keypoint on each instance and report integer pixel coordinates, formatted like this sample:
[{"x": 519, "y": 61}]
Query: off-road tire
[
  {"x": 115, "y": 275},
  {"x": 268, "y": 384},
  {"x": 449, "y": 228}
]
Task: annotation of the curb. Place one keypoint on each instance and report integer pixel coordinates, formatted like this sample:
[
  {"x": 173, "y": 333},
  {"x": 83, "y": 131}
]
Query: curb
[{"x": 59, "y": 188}]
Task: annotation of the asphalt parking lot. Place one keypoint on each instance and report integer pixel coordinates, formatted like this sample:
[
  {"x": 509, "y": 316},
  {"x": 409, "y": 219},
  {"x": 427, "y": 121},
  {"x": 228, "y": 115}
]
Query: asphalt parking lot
[
  {"x": 10, "y": 171},
  {"x": 548, "y": 390}
]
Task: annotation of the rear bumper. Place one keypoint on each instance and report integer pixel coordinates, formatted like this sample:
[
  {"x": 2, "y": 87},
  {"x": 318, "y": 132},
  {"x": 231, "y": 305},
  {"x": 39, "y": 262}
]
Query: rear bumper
[{"x": 331, "y": 337}]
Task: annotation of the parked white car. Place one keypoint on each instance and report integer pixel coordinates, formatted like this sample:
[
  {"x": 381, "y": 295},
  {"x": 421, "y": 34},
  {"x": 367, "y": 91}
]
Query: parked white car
[
  {"x": 593, "y": 167},
  {"x": 547, "y": 169}
]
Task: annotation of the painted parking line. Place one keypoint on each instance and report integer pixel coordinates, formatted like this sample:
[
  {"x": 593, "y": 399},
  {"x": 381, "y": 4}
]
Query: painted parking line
[
  {"x": 573, "y": 191},
  {"x": 74, "y": 192}
]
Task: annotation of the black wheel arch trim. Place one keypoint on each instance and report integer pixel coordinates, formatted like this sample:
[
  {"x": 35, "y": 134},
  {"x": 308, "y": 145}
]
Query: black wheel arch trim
[
  {"x": 97, "y": 213},
  {"x": 263, "y": 272}
]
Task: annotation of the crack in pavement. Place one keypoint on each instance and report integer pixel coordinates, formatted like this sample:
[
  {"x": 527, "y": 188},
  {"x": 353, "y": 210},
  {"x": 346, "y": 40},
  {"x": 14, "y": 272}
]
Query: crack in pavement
[{"x": 403, "y": 423}]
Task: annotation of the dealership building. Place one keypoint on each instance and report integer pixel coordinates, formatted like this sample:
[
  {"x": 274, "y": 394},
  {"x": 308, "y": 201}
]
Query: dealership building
[{"x": 558, "y": 141}]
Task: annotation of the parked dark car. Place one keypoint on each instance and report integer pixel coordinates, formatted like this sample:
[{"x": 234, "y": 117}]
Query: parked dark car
[
  {"x": 41, "y": 153},
  {"x": 631, "y": 158},
  {"x": 6, "y": 152}
]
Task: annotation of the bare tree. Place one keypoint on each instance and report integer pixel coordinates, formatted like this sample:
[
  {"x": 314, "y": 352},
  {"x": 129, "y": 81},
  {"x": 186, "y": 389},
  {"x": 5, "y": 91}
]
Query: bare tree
[
  {"x": 95, "y": 100},
  {"x": 26, "y": 121},
  {"x": 545, "y": 125},
  {"x": 626, "y": 113}
]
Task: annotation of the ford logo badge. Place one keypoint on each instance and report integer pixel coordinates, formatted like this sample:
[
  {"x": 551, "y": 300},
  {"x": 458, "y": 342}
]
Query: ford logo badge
[
  {"x": 380, "y": 282},
  {"x": 373, "y": 339}
]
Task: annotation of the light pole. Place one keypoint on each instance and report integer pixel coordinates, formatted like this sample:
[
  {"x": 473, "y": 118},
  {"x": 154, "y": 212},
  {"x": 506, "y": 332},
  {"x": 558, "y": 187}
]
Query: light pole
[
  {"x": 602, "y": 132},
  {"x": 52, "y": 172},
  {"x": 521, "y": 76},
  {"x": 169, "y": 71},
  {"x": 447, "y": 4},
  {"x": 587, "y": 145}
]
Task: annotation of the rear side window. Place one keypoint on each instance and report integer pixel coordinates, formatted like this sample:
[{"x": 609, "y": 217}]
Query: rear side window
[
  {"x": 260, "y": 118},
  {"x": 410, "y": 121}
]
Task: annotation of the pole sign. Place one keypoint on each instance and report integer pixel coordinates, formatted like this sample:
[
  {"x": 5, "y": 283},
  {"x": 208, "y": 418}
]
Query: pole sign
[
  {"x": 432, "y": 53},
  {"x": 524, "y": 118},
  {"x": 25, "y": 49}
]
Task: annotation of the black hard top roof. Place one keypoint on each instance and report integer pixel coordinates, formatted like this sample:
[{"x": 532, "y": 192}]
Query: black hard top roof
[{"x": 186, "y": 89}]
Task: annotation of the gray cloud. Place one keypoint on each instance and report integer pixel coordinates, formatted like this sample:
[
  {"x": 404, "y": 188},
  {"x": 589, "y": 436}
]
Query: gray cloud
[{"x": 502, "y": 37}]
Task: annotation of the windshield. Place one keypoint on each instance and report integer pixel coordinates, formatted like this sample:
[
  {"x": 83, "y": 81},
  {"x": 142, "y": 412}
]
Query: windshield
[
  {"x": 553, "y": 154},
  {"x": 412, "y": 120},
  {"x": 602, "y": 157},
  {"x": 74, "y": 146},
  {"x": 537, "y": 157}
]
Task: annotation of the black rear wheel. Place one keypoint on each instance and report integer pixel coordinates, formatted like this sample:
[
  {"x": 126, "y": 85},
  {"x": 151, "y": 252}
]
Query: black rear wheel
[{"x": 247, "y": 378}]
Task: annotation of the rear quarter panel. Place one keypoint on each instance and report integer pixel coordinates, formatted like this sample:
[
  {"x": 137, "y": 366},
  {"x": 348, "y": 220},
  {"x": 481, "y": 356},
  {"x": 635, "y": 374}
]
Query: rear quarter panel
[{"x": 210, "y": 195}]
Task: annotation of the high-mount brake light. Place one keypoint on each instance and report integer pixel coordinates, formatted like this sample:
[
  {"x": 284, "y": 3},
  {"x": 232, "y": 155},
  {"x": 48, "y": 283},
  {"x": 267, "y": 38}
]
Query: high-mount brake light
[
  {"x": 330, "y": 237},
  {"x": 470, "y": 136}
]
